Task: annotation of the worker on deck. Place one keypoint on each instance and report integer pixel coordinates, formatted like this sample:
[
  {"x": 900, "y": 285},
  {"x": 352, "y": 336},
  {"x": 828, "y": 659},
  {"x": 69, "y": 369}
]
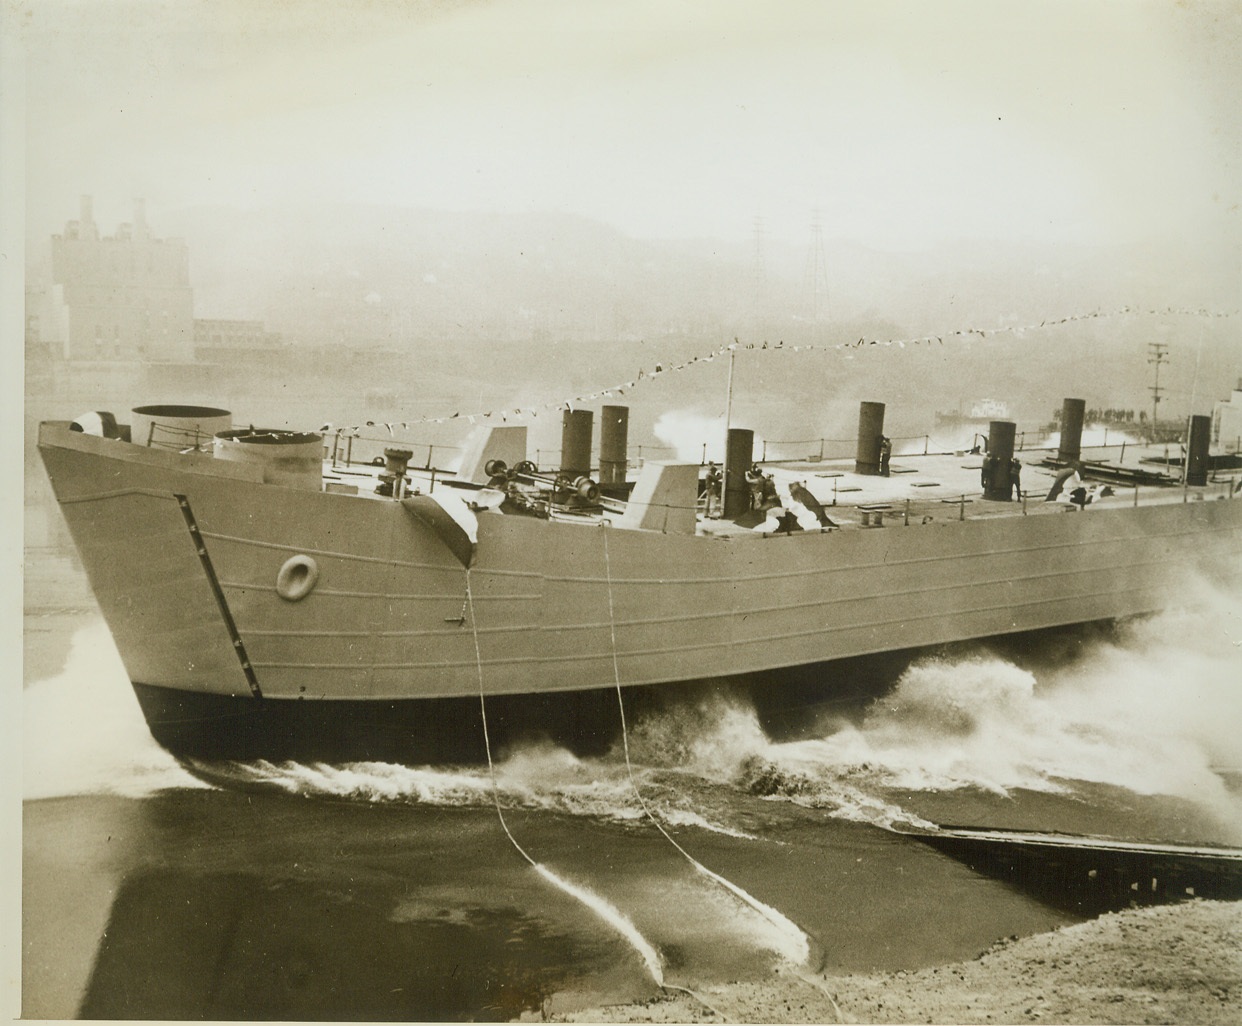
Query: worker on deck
[
  {"x": 713, "y": 490},
  {"x": 770, "y": 498},
  {"x": 886, "y": 453},
  {"x": 988, "y": 470},
  {"x": 1015, "y": 477},
  {"x": 754, "y": 481}
]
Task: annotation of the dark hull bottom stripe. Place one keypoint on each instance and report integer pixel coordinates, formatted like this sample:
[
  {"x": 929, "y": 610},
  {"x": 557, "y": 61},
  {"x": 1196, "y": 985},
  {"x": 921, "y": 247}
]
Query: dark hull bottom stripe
[{"x": 449, "y": 730}]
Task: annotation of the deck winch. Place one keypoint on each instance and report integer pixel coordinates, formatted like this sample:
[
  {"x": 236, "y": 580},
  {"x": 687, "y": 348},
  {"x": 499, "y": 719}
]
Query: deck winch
[
  {"x": 564, "y": 488},
  {"x": 392, "y": 479}
]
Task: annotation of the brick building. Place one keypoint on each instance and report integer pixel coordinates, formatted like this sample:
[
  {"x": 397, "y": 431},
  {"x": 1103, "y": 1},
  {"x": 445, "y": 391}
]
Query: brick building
[
  {"x": 125, "y": 296},
  {"x": 220, "y": 340}
]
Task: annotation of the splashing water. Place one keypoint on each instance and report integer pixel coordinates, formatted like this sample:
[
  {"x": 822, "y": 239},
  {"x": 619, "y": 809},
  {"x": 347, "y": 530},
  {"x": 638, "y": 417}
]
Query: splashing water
[
  {"x": 1097, "y": 434},
  {"x": 1154, "y": 711},
  {"x": 83, "y": 732},
  {"x": 361, "y": 781},
  {"x": 694, "y": 436},
  {"x": 685, "y": 432},
  {"x": 539, "y": 778},
  {"x": 611, "y": 915},
  {"x": 719, "y": 738}
]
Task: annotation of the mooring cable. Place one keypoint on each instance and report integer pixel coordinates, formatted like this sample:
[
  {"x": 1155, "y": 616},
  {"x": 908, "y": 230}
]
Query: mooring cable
[
  {"x": 772, "y": 916},
  {"x": 612, "y": 916}
]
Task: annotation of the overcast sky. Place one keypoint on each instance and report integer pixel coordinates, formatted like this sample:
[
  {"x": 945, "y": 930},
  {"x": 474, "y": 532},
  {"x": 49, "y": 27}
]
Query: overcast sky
[{"x": 906, "y": 124}]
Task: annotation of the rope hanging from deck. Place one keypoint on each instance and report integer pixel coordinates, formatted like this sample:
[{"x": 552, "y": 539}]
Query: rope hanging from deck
[
  {"x": 771, "y": 915},
  {"x": 614, "y": 918}
]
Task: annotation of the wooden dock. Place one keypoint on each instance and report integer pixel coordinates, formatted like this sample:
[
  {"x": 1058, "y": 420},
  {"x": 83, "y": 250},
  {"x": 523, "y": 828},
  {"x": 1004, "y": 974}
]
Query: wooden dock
[{"x": 1094, "y": 873}]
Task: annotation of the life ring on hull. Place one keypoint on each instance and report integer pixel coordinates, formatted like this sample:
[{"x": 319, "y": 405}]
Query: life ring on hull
[{"x": 297, "y": 578}]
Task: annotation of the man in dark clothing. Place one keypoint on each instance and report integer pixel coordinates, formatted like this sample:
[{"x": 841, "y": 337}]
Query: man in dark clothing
[
  {"x": 754, "y": 481},
  {"x": 770, "y": 498},
  {"x": 713, "y": 490}
]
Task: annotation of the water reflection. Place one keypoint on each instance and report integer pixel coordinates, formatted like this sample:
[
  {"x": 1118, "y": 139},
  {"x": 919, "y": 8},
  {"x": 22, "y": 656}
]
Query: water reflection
[
  {"x": 183, "y": 945},
  {"x": 218, "y": 905}
]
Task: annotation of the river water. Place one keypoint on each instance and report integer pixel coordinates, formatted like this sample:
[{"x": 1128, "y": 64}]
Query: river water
[{"x": 376, "y": 891}]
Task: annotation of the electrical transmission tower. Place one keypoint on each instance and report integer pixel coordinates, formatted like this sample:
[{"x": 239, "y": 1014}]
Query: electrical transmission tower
[
  {"x": 1157, "y": 354},
  {"x": 815, "y": 280}
]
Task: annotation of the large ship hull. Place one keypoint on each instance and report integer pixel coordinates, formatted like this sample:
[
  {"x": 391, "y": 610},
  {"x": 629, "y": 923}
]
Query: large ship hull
[{"x": 389, "y": 654}]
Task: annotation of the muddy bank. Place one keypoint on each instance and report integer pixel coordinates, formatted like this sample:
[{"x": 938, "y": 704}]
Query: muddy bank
[{"x": 1170, "y": 964}]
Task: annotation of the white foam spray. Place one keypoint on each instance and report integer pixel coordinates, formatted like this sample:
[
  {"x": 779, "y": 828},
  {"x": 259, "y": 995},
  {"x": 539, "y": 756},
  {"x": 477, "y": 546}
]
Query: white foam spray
[
  {"x": 1097, "y": 435},
  {"x": 1154, "y": 711},
  {"x": 694, "y": 437},
  {"x": 376, "y": 782},
  {"x": 719, "y": 738},
  {"x": 83, "y": 732},
  {"x": 612, "y": 916},
  {"x": 687, "y": 432}
]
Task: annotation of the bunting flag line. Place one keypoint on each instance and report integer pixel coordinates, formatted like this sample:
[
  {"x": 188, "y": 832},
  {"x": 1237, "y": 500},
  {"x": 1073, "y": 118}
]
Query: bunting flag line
[{"x": 663, "y": 367}]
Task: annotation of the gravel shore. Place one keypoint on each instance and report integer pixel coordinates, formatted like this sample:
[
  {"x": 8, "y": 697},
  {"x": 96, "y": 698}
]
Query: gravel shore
[{"x": 1168, "y": 964}]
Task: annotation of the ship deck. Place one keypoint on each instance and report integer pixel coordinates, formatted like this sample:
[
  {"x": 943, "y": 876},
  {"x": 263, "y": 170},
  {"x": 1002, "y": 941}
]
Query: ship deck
[{"x": 939, "y": 486}]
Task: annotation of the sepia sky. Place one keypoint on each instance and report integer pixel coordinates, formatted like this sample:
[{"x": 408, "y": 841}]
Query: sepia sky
[{"x": 909, "y": 125}]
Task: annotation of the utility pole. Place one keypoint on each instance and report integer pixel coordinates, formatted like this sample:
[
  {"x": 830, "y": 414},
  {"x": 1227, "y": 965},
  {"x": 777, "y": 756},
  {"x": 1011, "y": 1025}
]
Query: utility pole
[{"x": 1157, "y": 354}]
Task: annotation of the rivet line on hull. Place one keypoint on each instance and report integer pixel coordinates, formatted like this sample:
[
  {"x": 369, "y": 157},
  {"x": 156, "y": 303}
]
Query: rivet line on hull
[
  {"x": 1154, "y": 589},
  {"x": 226, "y": 614}
]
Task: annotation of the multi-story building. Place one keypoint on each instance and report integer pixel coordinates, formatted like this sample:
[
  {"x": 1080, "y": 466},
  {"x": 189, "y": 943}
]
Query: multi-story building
[
  {"x": 221, "y": 340},
  {"x": 125, "y": 296}
]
